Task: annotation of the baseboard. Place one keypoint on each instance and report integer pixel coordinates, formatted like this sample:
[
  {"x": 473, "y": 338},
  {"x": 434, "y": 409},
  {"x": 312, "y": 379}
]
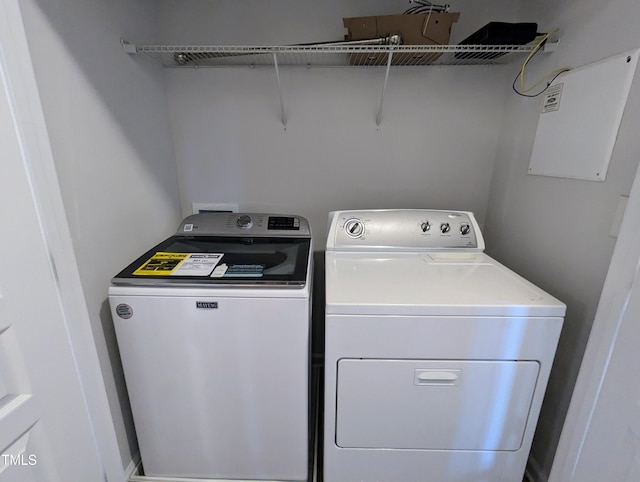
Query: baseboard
[{"x": 534, "y": 472}]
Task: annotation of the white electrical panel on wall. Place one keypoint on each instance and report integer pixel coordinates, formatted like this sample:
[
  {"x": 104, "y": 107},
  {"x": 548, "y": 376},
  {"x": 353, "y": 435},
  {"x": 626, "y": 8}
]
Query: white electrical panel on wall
[{"x": 579, "y": 119}]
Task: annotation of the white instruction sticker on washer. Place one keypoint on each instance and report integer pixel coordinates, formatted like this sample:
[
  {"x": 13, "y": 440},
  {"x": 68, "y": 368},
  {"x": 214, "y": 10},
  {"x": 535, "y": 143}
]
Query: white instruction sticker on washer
[
  {"x": 200, "y": 264},
  {"x": 219, "y": 271},
  {"x": 238, "y": 271},
  {"x": 552, "y": 99}
]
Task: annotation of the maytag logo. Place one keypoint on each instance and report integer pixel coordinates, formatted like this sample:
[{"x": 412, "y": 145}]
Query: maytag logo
[{"x": 207, "y": 304}]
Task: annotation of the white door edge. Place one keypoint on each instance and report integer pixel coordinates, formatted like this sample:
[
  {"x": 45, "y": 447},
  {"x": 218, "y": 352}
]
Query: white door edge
[
  {"x": 23, "y": 96},
  {"x": 624, "y": 270}
]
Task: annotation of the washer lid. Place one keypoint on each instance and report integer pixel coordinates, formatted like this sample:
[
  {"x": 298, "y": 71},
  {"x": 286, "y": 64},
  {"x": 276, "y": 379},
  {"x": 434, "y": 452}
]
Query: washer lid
[
  {"x": 221, "y": 260},
  {"x": 430, "y": 284}
]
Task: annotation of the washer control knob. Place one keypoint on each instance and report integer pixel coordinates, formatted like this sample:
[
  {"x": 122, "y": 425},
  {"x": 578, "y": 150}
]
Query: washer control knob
[
  {"x": 354, "y": 228},
  {"x": 445, "y": 228},
  {"x": 465, "y": 229},
  {"x": 425, "y": 226},
  {"x": 244, "y": 222}
]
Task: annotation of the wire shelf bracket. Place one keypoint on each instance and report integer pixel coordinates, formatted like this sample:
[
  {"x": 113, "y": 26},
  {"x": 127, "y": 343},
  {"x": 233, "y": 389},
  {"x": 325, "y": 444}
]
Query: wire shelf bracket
[
  {"x": 384, "y": 88},
  {"x": 282, "y": 110}
]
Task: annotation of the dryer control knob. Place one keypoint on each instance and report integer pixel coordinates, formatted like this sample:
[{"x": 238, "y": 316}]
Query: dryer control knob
[
  {"x": 425, "y": 226},
  {"x": 244, "y": 222},
  {"x": 465, "y": 229},
  {"x": 354, "y": 228},
  {"x": 445, "y": 228}
]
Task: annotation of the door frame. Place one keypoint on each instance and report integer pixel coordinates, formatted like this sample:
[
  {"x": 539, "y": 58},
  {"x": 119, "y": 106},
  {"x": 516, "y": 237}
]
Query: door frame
[
  {"x": 624, "y": 270},
  {"x": 26, "y": 109}
]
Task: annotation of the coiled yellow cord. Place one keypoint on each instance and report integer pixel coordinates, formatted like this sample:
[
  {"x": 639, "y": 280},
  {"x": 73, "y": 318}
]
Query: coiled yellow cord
[{"x": 531, "y": 54}]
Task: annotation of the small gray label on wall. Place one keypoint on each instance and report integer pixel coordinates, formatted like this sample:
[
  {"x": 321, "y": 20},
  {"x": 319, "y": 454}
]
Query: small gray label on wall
[{"x": 552, "y": 99}]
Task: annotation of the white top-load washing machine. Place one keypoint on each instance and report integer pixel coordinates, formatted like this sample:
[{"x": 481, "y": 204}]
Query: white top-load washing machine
[
  {"x": 436, "y": 356},
  {"x": 213, "y": 330}
]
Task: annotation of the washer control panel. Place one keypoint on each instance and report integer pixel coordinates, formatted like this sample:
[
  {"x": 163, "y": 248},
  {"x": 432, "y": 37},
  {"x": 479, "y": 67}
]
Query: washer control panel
[
  {"x": 245, "y": 224},
  {"x": 404, "y": 229}
]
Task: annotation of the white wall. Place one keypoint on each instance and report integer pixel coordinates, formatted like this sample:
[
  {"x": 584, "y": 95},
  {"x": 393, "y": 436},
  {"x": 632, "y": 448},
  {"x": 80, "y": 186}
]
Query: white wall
[
  {"x": 436, "y": 146},
  {"x": 109, "y": 129},
  {"x": 556, "y": 231}
]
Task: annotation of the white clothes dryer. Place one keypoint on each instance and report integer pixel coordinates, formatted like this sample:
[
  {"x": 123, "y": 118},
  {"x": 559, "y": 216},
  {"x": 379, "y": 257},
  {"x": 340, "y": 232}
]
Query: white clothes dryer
[
  {"x": 213, "y": 327},
  {"x": 436, "y": 356}
]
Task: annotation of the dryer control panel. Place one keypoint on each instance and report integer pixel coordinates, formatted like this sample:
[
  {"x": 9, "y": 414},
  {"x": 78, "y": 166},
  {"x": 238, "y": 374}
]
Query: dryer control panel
[{"x": 404, "y": 229}]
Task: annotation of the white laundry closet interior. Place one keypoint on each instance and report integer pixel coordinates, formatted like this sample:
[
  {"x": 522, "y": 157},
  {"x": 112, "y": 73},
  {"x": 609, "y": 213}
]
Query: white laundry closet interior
[{"x": 136, "y": 144}]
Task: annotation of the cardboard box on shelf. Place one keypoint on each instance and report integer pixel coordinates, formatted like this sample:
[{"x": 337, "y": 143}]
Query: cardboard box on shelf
[{"x": 415, "y": 29}]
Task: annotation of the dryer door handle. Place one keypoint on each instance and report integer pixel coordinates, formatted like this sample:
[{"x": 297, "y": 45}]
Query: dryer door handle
[{"x": 437, "y": 377}]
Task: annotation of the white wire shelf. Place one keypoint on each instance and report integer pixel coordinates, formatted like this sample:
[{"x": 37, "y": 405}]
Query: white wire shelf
[
  {"x": 330, "y": 55},
  {"x": 193, "y": 56}
]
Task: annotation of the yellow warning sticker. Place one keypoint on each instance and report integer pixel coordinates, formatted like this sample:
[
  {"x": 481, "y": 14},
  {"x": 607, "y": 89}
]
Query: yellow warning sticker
[
  {"x": 161, "y": 264},
  {"x": 179, "y": 264}
]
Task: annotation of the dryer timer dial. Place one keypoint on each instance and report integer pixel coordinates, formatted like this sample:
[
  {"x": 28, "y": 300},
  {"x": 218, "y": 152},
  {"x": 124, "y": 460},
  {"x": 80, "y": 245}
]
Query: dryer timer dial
[{"x": 354, "y": 227}]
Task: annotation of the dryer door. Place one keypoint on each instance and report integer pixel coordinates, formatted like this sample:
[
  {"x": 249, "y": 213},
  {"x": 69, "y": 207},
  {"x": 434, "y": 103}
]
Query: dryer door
[{"x": 434, "y": 404}]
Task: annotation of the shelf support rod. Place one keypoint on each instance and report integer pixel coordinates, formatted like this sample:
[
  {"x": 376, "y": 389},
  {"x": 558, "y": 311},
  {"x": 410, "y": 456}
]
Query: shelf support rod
[
  {"x": 282, "y": 111},
  {"x": 384, "y": 87}
]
